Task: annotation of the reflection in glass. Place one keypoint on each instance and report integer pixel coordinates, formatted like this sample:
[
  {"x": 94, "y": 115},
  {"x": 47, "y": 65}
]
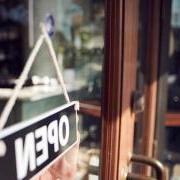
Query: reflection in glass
[
  {"x": 173, "y": 100},
  {"x": 174, "y": 59},
  {"x": 78, "y": 42},
  {"x": 80, "y": 45}
]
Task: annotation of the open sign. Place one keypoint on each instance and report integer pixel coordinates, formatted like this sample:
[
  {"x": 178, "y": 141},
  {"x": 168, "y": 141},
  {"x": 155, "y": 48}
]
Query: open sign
[{"x": 32, "y": 145}]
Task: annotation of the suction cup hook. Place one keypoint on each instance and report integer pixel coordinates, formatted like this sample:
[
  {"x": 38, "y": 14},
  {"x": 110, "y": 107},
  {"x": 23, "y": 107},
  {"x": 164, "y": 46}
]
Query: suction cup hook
[{"x": 50, "y": 24}]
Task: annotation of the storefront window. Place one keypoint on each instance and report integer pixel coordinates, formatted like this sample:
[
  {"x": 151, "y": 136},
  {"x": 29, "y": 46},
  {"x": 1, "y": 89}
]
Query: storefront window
[{"x": 78, "y": 41}]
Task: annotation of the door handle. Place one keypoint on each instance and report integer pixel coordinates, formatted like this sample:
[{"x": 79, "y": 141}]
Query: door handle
[{"x": 157, "y": 165}]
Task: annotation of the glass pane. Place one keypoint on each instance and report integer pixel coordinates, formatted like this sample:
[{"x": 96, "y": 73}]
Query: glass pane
[
  {"x": 167, "y": 149},
  {"x": 169, "y": 133},
  {"x": 174, "y": 51},
  {"x": 78, "y": 42},
  {"x": 173, "y": 99}
]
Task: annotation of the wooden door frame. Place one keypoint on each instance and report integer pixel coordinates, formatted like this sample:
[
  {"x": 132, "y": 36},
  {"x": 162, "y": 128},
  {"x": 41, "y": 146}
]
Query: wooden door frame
[
  {"x": 156, "y": 65},
  {"x": 119, "y": 83},
  {"x": 151, "y": 65},
  {"x": 151, "y": 76},
  {"x": 111, "y": 103}
]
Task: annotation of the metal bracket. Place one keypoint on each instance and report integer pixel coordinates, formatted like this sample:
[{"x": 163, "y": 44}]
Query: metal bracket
[{"x": 137, "y": 102}]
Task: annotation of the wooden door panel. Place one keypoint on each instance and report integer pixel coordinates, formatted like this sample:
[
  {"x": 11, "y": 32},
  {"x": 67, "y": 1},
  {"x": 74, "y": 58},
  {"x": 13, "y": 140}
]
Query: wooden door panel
[
  {"x": 128, "y": 83},
  {"x": 119, "y": 84},
  {"x": 111, "y": 105}
]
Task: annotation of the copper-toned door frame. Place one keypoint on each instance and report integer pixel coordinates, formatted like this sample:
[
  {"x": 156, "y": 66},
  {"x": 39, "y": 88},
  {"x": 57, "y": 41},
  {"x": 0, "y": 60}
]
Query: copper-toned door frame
[
  {"x": 111, "y": 105},
  {"x": 156, "y": 72},
  {"x": 151, "y": 78},
  {"x": 119, "y": 84},
  {"x": 121, "y": 47}
]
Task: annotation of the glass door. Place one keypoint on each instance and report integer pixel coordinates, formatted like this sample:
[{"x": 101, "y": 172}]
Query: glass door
[
  {"x": 130, "y": 91},
  {"x": 168, "y": 109}
]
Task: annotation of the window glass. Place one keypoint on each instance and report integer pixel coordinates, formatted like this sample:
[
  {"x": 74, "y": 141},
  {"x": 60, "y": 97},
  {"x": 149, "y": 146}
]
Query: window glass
[
  {"x": 78, "y": 41},
  {"x": 174, "y": 59}
]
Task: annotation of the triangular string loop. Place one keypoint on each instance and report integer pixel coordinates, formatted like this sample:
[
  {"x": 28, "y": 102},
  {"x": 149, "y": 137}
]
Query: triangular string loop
[{"x": 9, "y": 105}]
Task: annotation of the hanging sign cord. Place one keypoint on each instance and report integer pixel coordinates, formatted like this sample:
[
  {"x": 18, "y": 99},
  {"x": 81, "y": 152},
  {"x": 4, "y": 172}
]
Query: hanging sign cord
[
  {"x": 55, "y": 61},
  {"x": 9, "y": 105}
]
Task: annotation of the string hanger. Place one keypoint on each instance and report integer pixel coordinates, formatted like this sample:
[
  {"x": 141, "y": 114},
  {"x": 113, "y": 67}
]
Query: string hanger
[{"x": 44, "y": 37}]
